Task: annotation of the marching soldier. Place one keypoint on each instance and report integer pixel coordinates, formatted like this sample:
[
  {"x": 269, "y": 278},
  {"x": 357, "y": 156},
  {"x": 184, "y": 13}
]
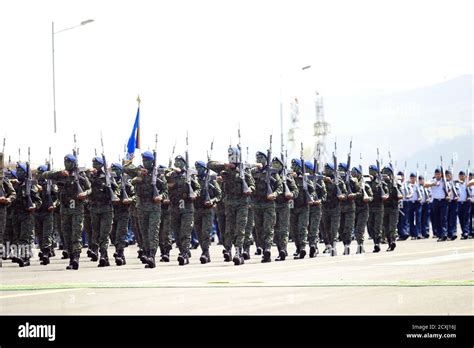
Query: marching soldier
[
  {"x": 391, "y": 207},
  {"x": 7, "y": 196},
  {"x": 315, "y": 209},
  {"x": 282, "y": 209},
  {"x": 439, "y": 208},
  {"x": 452, "y": 205},
  {"x": 238, "y": 186},
  {"x": 413, "y": 210},
  {"x": 210, "y": 194},
  {"x": 403, "y": 223},
  {"x": 425, "y": 207},
  {"x": 362, "y": 199},
  {"x": 376, "y": 206},
  {"x": 165, "y": 235},
  {"x": 268, "y": 187},
  {"x": 464, "y": 205}
]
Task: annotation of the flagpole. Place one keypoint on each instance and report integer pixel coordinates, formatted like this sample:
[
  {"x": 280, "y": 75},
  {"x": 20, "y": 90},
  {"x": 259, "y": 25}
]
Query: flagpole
[{"x": 138, "y": 129}]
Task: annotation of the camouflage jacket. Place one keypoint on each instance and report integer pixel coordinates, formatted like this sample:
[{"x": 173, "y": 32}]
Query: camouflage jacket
[
  {"x": 68, "y": 192},
  {"x": 179, "y": 188},
  {"x": 232, "y": 181},
  {"x": 215, "y": 193},
  {"x": 260, "y": 193}
]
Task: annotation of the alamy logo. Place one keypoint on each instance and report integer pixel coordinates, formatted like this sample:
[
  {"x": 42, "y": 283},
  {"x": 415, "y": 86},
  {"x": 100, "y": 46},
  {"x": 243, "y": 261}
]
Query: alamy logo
[{"x": 37, "y": 331}]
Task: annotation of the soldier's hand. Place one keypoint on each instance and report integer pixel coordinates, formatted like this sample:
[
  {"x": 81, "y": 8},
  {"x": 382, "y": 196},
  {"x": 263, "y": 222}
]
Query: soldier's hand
[
  {"x": 384, "y": 197},
  {"x": 126, "y": 201},
  {"x": 351, "y": 195},
  {"x": 92, "y": 170},
  {"x": 258, "y": 165},
  {"x": 40, "y": 188},
  {"x": 51, "y": 208},
  {"x": 166, "y": 201},
  {"x": 289, "y": 196},
  {"x": 318, "y": 202},
  {"x": 248, "y": 193},
  {"x": 341, "y": 197},
  {"x": 366, "y": 199},
  {"x": 271, "y": 197},
  {"x": 3, "y": 200},
  {"x": 157, "y": 199},
  {"x": 327, "y": 180},
  {"x": 177, "y": 170},
  {"x": 64, "y": 173},
  {"x": 229, "y": 166},
  {"x": 82, "y": 196},
  {"x": 144, "y": 171}
]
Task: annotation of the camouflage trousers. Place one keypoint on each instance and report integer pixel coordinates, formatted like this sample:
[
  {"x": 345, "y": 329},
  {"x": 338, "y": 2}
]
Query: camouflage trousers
[
  {"x": 120, "y": 227},
  {"x": 203, "y": 227},
  {"x": 220, "y": 214},
  {"x": 165, "y": 238},
  {"x": 315, "y": 212},
  {"x": 101, "y": 219},
  {"x": 236, "y": 213},
  {"x": 88, "y": 226},
  {"x": 282, "y": 224},
  {"x": 361, "y": 218},
  {"x": 346, "y": 225},
  {"x": 390, "y": 221},
  {"x": 265, "y": 216},
  {"x": 182, "y": 224},
  {"x": 136, "y": 227},
  {"x": 23, "y": 229},
  {"x": 149, "y": 216},
  {"x": 57, "y": 226},
  {"x": 250, "y": 234},
  {"x": 374, "y": 225},
  {"x": 331, "y": 218},
  {"x": 3, "y": 225},
  {"x": 299, "y": 220},
  {"x": 71, "y": 226},
  {"x": 44, "y": 226}
]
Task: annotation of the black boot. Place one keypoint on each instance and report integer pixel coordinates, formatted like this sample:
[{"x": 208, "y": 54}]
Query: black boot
[
  {"x": 238, "y": 258},
  {"x": 45, "y": 257},
  {"x": 104, "y": 259},
  {"x": 151, "y": 259},
  {"x": 259, "y": 251},
  {"x": 246, "y": 253},
  {"x": 75, "y": 260},
  {"x": 227, "y": 255},
  {"x": 347, "y": 249},
  {"x": 267, "y": 256},
  {"x": 391, "y": 246},
  {"x": 93, "y": 254},
  {"x": 144, "y": 256},
  {"x": 183, "y": 258},
  {"x": 313, "y": 251},
  {"x": 119, "y": 258},
  {"x": 140, "y": 254},
  {"x": 166, "y": 255},
  {"x": 301, "y": 255},
  {"x": 65, "y": 255},
  {"x": 333, "y": 249},
  {"x": 282, "y": 254},
  {"x": 297, "y": 252},
  {"x": 71, "y": 259},
  {"x": 24, "y": 261},
  {"x": 360, "y": 248},
  {"x": 204, "y": 257}
]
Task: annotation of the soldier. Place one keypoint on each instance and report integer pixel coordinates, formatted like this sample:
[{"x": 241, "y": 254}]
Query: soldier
[
  {"x": 362, "y": 199},
  {"x": 391, "y": 210},
  {"x": 44, "y": 215},
  {"x": 464, "y": 205},
  {"x": 315, "y": 209},
  {"x": 238, "y": 185},
  {"x": 470, "y": 185},
  {"x": 149, "y": 197},
  {"x": 92, "y": 250},
  {"x": 336, "y": 192},
  {"x": 220, "y": 215},
  {"x": 7, "y": 196},
  {"x": 250, "y": 235},
  {"x": 348, "y": 209},
  {"x": 403, "y": 223},
  {"x": 299, "y": 217},
  {"x": 268, "y": 186},
  {"x": 439, "y": 206},
  {"x": 376, "y": 207},
  {"x": 183, "y": 190},
  {"x": 121, "y": 216},
  {"x": 75, "y": 188},
  {"x": 413, "y": 210},
  {"x": 282, "y": 209},
  {"x": 26, "y": 202},
  {"x": 165, "y": 235},
  {"x": 211, "y": 194},
  {"x": 452, "y": 205},
  {"x": 425, "y": 207}
]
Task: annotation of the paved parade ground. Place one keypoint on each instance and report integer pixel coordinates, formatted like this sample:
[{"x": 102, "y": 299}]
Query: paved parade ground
[{"x": 419, "y": 277}]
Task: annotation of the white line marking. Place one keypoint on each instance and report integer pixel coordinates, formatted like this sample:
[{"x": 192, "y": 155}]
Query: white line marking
[{"x": 431, "y": 260}]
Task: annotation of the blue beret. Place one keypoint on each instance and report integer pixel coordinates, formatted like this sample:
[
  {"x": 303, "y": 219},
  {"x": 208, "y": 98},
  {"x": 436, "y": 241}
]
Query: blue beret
[
  {"x": 21, "y": 166},
  {"x": 98, "y": 159},
  {"x": 343, "y": 165},
  {"x": 462, "y": 172},
  {"x": 374, "y": 167},
  {"x": 330, "y": 166},
  {"x": 117, "y": 165},
  {"x": 180, "y": 158},
  {"x": 438, "y": 170},
  {"x": 387, "y": 168},
  {"x": 412, "y": 175},
  {"x": 296, "y": 161},
  {"x": 447, "y": 171},
  {"x": 148, "y": 155},
  {"x": 42, "y": 168},
  {"x": 421, "y": 177},
  {"x": 13, "y": 173},
  {"x": 309, "y": 165},
  {"x": 356, "y": 169},
  {"x": 162, "y": 166},
  {"x": 260, "y": 153},
  {"x": 400, "y": 173},
  {"x": 70, "y": 158},
  {"x": 200, "y": 164}
]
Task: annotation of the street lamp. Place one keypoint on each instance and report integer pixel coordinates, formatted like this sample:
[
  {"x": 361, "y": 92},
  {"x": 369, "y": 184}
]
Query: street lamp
[{"x": 54, "y": 77}]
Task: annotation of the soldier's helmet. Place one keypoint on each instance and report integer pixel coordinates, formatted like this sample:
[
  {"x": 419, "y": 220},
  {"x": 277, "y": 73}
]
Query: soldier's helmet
[{"x": 234, "y": 155}]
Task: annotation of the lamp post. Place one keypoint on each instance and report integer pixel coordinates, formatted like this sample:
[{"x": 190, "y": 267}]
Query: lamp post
[{"x": 54, "y": 75}]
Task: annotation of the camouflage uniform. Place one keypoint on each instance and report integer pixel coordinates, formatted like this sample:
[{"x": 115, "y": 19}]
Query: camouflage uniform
[
  {"x": 88, "y": 227},
  {"x": 23, "y": 221},
  {"x": 376, "y": 212},
  {"x": 250, "y": 235},
  {"x": 299, "y": 217},
  {"x": 348, "y": 209},
  {"x": 236, "y": 207},
  {"x": 282, "y": 210},
  {"x": 390, "y": 216},
  {"x": 10, "y": 196},
  {"x": 264, "y": 209},
  {"x": 72, "y": 212},
  {"x": 203, "y": 215},
  {"x": 165, "y": 236},
  {"x": 182, "y": 211},
  {"x": 362, "y": 213},
  {"x": 220, "y": 213}
]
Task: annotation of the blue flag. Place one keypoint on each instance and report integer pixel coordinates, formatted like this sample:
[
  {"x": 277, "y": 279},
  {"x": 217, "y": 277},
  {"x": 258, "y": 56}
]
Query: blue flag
[{"x": 134, "y": 141}]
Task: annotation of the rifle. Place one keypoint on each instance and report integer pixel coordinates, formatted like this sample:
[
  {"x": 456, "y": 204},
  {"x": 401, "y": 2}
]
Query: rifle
[
  {"x": 443, "y": 179},
  {"x": 347, "y": 178},
  {"x": 365, "y": 196},
  {"x": 49, "y": 184},
  {"x": 379, "y": 175},
  {"x": 207, "y": 179},
  {"x": 417, "y": 184},
  {"x": 336, "y": 173},
  {"x": 268, "y": 176},
  {"x": 284, "y": 174},
  {"x": 394, "y": 178},
  {"x": 154, "y": 173},
  {"x": 170, "y": 163},
  {"x": 2, "y": 174},
  {"x": 308, "y": 197},
  {"x": 315, "y": 177},
  {"x": 75, "y": 152},
  {"x": 192, "y": 194},
  {"x": 28, "y": 185},
  {"x": 404, "y": 183},
  {"x": 3, "y": 149},
  {"x": 455, "y": 192},
  {"x": 108, "y": 179},
  {"x": 209, "y": 154},
  {"x": 245, "y": 187}
]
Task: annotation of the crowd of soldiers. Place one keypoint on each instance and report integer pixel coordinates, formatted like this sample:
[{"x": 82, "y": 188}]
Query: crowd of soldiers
[{"x": 262, "y": 203}]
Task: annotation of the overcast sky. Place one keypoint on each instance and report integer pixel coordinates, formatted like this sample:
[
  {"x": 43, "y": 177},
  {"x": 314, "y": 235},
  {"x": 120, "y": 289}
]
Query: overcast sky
[{"x": 205, "y": 66}]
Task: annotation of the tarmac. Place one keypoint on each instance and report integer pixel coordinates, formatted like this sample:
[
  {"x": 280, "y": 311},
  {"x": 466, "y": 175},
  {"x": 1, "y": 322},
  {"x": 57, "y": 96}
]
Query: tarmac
[{"x": 419, "y": 277}]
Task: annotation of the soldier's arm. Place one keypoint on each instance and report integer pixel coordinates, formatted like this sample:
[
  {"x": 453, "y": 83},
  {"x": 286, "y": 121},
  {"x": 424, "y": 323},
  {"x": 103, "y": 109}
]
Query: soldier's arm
[
  {"x": 35, "y": 196},
  {"x": 217, "y": 191},
  {"x": 215, "y": 166},
  {"x": 293, "y": 187},
  {"x": 278, "y": 185},
  {"x": 131, "y": 170},
  {"x": 357, "y": 188},
  {"x": 85, "y": 184},
  {"x": 54, "y": 175},
  {"x": 10, "y": 193},
  {"x": 323, "y": 192},
  {"x": 250, "y": 180},
  {"x": 162, "y": 187}
]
